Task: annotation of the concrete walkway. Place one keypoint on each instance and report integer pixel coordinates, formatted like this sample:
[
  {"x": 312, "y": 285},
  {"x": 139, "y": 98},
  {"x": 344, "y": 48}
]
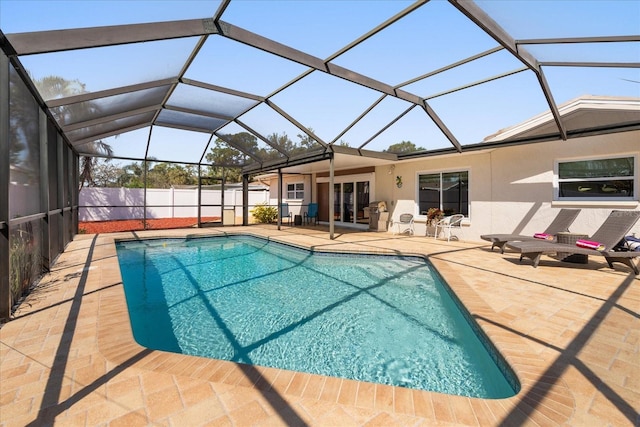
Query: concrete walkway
[{"x": 570, "y": 332}]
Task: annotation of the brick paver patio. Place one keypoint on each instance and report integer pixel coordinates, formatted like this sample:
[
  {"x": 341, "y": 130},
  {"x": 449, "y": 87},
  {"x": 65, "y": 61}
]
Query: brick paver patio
[{"x": 570, "y": 332}]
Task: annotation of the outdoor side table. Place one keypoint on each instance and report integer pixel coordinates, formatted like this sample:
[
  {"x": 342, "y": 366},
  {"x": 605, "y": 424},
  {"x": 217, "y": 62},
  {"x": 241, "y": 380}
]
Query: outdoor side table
[{"x": 571, "y": 239}]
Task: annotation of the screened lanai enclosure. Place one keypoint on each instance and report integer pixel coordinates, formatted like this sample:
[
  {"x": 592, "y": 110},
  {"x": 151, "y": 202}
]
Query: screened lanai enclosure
[{"x": 184, "y": 94}]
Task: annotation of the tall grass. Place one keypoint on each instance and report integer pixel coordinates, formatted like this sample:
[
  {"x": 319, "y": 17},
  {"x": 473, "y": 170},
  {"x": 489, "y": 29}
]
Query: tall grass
[{"x": 25, "y": 260}]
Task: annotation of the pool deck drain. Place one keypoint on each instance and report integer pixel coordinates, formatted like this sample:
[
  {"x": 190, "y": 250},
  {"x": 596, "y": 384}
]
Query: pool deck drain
[{"x": 571, "y": 334}]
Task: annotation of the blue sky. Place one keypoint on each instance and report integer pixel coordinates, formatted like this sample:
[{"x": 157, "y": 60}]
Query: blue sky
[{"x": 426, "y": 40}]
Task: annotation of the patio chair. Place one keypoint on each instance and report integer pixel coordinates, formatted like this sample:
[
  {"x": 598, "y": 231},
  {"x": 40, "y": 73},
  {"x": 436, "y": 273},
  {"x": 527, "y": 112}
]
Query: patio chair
[
  {"x": 404, "y": 223},
  {"x": 610, "y": 233},
  {"x": 561, "y": 222},
  {"x": 311, "y": 213},
  {"x": 284, "y": 213},
  {"x": 447, "y": 224}
]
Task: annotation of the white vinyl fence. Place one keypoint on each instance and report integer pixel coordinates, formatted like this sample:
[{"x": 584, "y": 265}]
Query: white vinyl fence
[{"x": 107, "y": 204}]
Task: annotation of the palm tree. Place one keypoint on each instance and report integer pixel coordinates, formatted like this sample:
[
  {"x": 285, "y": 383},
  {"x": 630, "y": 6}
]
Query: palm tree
[
  {"x": 55, "y": 87},
  {"x": 24, "y": 143},
  {"x": 88, "y": 164}
]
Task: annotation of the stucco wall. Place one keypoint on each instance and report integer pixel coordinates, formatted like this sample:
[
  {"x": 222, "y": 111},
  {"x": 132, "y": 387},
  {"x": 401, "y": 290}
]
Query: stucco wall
[
  {"x": 511, "y": 189},
  {"x": 296, "y": 206}
]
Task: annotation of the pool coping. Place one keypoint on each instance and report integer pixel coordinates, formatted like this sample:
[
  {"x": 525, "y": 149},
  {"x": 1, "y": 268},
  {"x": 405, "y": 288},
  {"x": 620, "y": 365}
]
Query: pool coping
[{"x": 117, "y": 344}]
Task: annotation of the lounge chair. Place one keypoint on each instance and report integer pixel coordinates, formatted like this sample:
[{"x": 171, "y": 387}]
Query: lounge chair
[
  {"x": 311, "y": 213},
  {"x": 561, "y": 223},
  {"x": 610, "y": 233}
]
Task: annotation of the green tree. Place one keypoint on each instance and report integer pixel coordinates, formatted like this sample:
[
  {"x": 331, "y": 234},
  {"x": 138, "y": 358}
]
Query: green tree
[
  {"x": 403, "y": 147},
  {"x": 88, "y": 164},
  {"x": 106, "y": 174},
  {"x": 165, "y": 175},
  {"x": 132, "y": 176},
  {"x": 243, "y": 140},
  {"x": 223, "y": 156},
  {"x": 182, "y": 175},
  {"x": 159, "y": 175},
  {"x": 306, "y": 142},
  {"x": 281, "y": 142}
]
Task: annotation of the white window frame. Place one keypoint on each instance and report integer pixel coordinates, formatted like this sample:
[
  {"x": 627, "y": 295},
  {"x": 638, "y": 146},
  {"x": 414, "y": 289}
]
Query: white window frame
[
  {"x": 422, "y": 217},
  {"x": 600, "y": 200},
  {"x": 297, "y": 194}
]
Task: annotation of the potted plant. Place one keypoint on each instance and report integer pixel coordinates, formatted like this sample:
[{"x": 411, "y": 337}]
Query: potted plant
[{"x": 433, "y": 216}]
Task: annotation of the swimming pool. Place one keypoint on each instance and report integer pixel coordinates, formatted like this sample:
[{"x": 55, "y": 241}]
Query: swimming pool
[{"x": 382, "y": 319}]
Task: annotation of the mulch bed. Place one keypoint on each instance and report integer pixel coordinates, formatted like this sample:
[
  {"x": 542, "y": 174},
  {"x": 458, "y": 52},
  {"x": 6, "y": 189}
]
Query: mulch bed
[{"x": 95, "y": 227}]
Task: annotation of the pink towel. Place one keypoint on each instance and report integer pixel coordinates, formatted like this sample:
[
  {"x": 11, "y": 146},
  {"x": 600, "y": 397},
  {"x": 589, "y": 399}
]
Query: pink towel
[
  {"x": 543, "y": 236},
  {"x": 590, "y": 245}
]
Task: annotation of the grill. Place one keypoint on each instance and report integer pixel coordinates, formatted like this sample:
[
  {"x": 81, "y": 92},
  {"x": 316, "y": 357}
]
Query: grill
[{"x": 378, "y": 216}]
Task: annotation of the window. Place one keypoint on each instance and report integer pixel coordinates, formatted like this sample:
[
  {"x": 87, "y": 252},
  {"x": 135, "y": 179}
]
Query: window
[
  {"x": 448, "y": 191},
  {"x": 295, "y": 190},
  {"x": 597, "y": 179}
]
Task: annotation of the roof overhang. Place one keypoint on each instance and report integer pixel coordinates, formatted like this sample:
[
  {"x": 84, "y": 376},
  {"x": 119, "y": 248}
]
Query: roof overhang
[
  {"x": 343, "y": 157},
  {"x": 583, "y": 113}
]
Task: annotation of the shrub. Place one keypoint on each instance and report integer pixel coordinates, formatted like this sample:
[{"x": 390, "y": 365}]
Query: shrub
[{"x": 264, "y": 213}]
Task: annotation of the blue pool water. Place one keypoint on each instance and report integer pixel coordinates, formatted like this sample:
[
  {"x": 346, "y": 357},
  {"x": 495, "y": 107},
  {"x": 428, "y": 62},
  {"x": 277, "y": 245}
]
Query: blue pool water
[{"x": 379, "y": 319}]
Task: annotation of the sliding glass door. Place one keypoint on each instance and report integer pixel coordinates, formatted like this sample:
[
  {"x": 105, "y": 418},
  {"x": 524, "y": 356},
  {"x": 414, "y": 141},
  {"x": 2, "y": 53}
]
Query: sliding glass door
[
  {"x": 362, "y": 202},
  {"x": 351, "y": 199},
  {"x": 352, "y": 195}
]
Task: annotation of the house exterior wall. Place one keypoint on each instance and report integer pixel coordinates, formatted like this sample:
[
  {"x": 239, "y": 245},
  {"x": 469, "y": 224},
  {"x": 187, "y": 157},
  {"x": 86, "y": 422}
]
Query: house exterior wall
[
  {"x": 511, "y": 189},
  {"x": 296, "y": 206}
]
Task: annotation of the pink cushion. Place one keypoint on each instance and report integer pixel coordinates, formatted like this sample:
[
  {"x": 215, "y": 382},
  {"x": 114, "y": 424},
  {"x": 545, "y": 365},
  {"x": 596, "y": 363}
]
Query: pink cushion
[
  {"x": 543, "y": 236},
  {"x": 590, "y": 245}
]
